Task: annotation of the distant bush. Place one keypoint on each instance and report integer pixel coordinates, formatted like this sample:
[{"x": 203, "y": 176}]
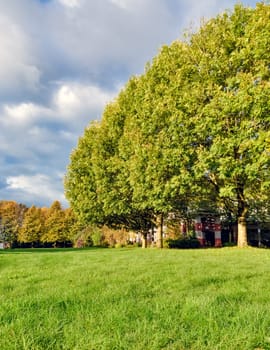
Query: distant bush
[
  {"x": 104, "y": 244},
  {"x": 183, "y": 243},
  {"x": 97, "y": 237},
  {"x": 119, "y": 245},
  {"x": 229, "y": 244}
]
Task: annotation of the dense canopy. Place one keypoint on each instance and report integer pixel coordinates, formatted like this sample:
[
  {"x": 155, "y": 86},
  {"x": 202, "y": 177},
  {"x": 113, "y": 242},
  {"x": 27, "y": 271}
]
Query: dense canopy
[{"x": 192, "y": 131}]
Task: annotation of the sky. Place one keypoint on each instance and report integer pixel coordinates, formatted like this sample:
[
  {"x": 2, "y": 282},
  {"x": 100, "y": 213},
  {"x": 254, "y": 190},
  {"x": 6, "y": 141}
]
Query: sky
[{"x": 61, "y": 62}]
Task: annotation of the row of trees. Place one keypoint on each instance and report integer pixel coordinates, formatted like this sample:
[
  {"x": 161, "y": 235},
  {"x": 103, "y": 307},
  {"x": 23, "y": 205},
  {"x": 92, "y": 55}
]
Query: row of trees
[
  {"x": 21, "y": 226},
  {"x": 192, "y": 132}
]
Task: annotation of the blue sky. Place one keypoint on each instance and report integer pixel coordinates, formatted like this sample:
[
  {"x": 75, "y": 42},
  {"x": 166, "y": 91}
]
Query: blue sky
[{"x": 61, "y": 61}]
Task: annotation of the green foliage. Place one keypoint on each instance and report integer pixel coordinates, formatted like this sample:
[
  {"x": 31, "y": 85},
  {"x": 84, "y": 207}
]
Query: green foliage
[
  {"x": 97, "y": 237},
  {"x": 230, "y": 108},
  {"x": 80, "y": 185},
  {"x": 192, "y": 131},
  {"x": 97, "y": 183},
  {"x": 82, "y": 236}
]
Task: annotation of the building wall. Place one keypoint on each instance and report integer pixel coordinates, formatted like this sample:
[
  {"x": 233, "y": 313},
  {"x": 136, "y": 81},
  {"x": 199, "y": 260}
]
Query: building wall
[{"x": 208, "y": 230}]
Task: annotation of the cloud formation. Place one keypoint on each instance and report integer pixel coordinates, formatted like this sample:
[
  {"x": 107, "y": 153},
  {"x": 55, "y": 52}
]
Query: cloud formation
[
  {"x": 61, "y": 62},
  {"x": 35, "y": 186}
]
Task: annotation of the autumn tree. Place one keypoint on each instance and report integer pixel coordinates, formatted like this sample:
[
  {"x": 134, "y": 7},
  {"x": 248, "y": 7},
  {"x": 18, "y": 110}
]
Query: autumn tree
[
  {"x": 55, "y": 230},
  {"x": 32, "y": 226},
  {"x": 72, "y": 227},
  {"x": 11, "y": 217}
]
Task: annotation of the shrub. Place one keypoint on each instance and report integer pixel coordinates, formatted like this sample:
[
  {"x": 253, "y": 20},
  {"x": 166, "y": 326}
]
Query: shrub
[
  {"x": 183, "y": 243},
  {"x": 97, "y": 237},
  {"x": 119, "y": 245},
  {"x": 229, "y": 244}
]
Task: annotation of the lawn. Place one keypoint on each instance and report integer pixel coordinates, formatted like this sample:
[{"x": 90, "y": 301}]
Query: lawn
[{"x": 135, "y": 299}]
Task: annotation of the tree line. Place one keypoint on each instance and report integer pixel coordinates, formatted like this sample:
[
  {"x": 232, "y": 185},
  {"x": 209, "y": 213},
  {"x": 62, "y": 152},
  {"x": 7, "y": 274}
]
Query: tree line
[
  {"x": 191, "y": 132},
  {"x": 55, "y": 226}
]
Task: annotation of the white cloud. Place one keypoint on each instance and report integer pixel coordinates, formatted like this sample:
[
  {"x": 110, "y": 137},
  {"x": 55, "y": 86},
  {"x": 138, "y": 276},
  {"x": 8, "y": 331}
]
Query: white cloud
[
  {"x": 138, "y": 5},
  {"x": 18, "y": 69},
  {"x": 70, "y": 103},
  {"x": 67, "y": 135},
  {"x": 38, "y": 185},
  {"x": 197, "y": 11},
  {"x": 73, "y": 99},
  {"x": 70, "y": 3},
  {"x": 99, "y": 38},
  {"x": 38, "y": 139},
  {"x": 120, "y": 3},
  {"x": 24, "y": 113},
  {"x": 130, "y": 5}
]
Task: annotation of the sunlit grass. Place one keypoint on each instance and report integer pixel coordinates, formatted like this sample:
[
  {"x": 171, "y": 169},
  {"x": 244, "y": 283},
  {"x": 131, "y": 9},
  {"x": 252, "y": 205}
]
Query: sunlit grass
[{"x": 135, "y": 299}]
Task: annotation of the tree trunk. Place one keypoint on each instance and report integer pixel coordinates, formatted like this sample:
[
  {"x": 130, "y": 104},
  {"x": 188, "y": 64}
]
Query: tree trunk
[
  {"x": 144, "y": 240},
  {"x": 242, "y": 217},
  {"x": 259, "y": 238},
  {"x": 159, "y": 222},
  {"x": 242, "y": 232}
]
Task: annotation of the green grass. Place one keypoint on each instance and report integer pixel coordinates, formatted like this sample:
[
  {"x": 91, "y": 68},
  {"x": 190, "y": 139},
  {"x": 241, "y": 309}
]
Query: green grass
[{"x": 135, "y": 299}]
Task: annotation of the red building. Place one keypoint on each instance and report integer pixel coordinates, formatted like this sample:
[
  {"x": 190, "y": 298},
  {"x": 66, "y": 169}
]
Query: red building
[{"x": 208, "y": 230}]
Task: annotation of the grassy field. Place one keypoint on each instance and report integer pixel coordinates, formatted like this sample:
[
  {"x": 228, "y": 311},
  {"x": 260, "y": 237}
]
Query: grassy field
[{"x": 135, "y": 299}]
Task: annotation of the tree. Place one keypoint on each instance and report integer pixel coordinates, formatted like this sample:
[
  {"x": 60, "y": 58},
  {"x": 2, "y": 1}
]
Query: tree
[
  {"x": 55, "y": 225},
  {"x": 11, "y": 217},
  {"x": 159, "y": 156},
  {"x": 71, "y": 227},
  {"x": 96, "y": 183},
  {"x": 229, "y": 108},
  {"x": 32, "y": 226},
  {"x": 80, "y": 182},
  {"x": 193, "y": 130}
]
